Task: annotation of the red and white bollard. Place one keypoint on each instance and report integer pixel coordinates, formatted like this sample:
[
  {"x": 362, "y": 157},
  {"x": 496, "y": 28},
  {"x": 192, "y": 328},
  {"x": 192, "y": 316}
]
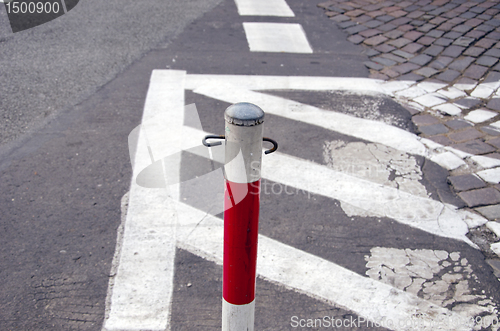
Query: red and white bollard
[
  {"x": 243, "y": 157},
  {"x": 241, "y": 219}
]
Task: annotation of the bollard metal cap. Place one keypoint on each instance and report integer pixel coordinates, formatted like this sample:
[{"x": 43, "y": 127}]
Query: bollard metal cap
[{"x": 244, "y": 114}]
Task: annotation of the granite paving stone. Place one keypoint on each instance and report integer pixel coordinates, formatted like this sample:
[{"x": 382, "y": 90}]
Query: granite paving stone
[
  {"x": 494, "y": 104},
  {"x": 468, "y": 102},
  {"x": 495, "y": 35},
  {"x": 466, "y": 182},
  {"x": 480, "y": 197},
  {"x": 495, "y": 142},
  {"x": 355, "y": 13},
  {"x": 487, "y": 60},
  {"x": 494, "y": 22},
  {"x": 493, "y": 77},
  {"x": 340, "y": 18},
  {"x": 434, "y": 129},
  {"x": 463, "y": 41},
  {"x": 452, "y": 93},
  {"x": 400, "y": 42},
  {"x": 453, "y": 51},
  {"x": 404, "y": 54},
  {"x": 475, "y": 71},
  {"x": 362, "y": 19},
  {"x": 438, "y": 11},
  {"x": 369, "y": 33},
  {"x": 473, "y": 22},
  {"x": 415, "y": 14},
  {"x": 412, "y": 48},
  {"x": 356, "y": 29},
  {"x": 443, "y": 140},
  {"x": 417, "y": 22},
  {"x": 405, "y": 27},
  {"x": 465, "y": 84},
  {"x": 405, "y": 67},
  {"x": 474, "y": 51},
  {"x": 384, "y": 48},
  {"x": 476, "y": 147},
  {"x": 429, "y": 100},
  {"x": 462, "y": 28},
  {"x": 372, "y": 52},
  {"x": 461, "y": 64},
  {"x": 421, "y": 59},
  {"x": 449, "y": 109},
  {"x": 385, "y": 18},
  {"x": 424, "y": 119},
  {"x": 426, "y": 40},
  {"x": 413, "y": 35},
  {"x": 398, "y": 13},
  {"x": 346, "y": 24},
  {"x": 384, "y": 61},
  {"x": 485, "y": 43},
  {"x": 492, "y": 131},
  {"x": 480, "y": 115},
  {"x": 355, "y": 39},
  {"x": 373, "y": 41},
  {"x": 373, "y": 65},
  {"x": 389, "y": 72},
  {"x": 434, "y": 50},
  {"x": 465, "y": 135},
  {"x": 476, "y": 34},
  {"x": 375, "y": 13},
  {"x": 426, "y": 71},
  {"x": 457, "y": 124},
  {"x": 438, "y": 20},
  {"x": 393, "y": 57},
  {"x": 491, "y": 176},
  {"x": 452, "y": 35},
  {"x": 441, "y": 62},
  {"x": 387, "y": 27},
  {"x": 373, "y": 24},
  {"x": 448, "y": 75},
  {"x": 394, "y": 34},
  {"x": 446, "y": 26},
  {"x": 443, "y": 41},
  {"x": 477, "y": 9},
  {"x": 492, "y": 213},
  {"x": 435, "y": 33},
  {"x": 485, "y": 27},
  {"x": 482, "y": 91}
]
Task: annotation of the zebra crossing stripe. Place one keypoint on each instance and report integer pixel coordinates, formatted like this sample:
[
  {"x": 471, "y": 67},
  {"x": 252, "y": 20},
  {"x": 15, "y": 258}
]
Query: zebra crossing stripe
[
  {"x": 276, "y": 37},
  {"x": 264, "y": 8},
  {"x": 368, "y": 130},
  {"x": 140, "y": 294}
]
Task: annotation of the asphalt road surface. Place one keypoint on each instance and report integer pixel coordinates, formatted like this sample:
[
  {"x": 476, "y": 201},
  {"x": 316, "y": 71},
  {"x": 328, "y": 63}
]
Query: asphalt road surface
[{"x": 356, "y": 223}]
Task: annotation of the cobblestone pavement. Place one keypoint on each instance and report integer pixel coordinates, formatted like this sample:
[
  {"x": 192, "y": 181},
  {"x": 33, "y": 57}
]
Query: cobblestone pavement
[{"x": 445, "y": 54}]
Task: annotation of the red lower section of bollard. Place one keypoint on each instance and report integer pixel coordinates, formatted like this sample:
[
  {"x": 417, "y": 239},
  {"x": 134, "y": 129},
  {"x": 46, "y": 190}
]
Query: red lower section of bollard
[{"x": 241, "y": 227}]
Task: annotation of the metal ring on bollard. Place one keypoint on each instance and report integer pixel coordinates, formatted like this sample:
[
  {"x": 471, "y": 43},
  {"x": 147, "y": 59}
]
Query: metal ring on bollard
[
  {"x": 275, "y": 147},
  {"x": 211, "y": 136}
]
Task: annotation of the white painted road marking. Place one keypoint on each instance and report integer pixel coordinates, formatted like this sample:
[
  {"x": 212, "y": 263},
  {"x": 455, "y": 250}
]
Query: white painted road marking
[
  {"x": 264, "y": 8},
  {"x": 276, "y": 37},
  {"x": 369, "y": 130},
  {"x": 141, "y": 291},
  {"x": 202, "y": 235},
  {"x": 130, "y": 305}
]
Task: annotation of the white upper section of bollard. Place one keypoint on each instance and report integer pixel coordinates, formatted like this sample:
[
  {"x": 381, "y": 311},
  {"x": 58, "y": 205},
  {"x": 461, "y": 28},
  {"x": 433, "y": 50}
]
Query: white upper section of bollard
[{"x": 243, "y": 134}]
